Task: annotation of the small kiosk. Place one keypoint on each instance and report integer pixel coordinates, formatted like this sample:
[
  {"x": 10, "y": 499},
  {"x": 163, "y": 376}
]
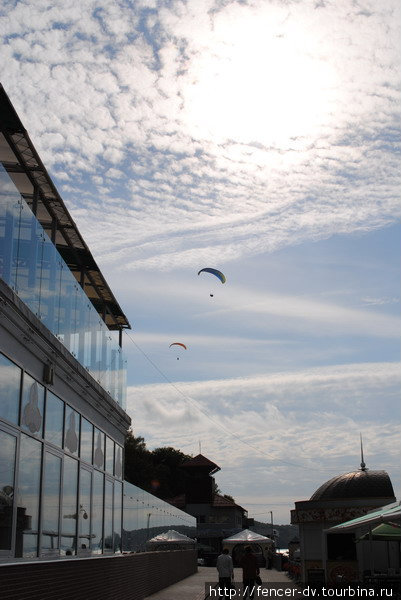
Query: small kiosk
[
  {"x": 260, "y": 544},
  {"x": 170, "y": 540}
]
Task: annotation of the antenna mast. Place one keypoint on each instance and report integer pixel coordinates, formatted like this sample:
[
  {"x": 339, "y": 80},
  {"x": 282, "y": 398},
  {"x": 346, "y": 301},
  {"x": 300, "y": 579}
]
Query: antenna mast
[{"x": 363, "y": 465}]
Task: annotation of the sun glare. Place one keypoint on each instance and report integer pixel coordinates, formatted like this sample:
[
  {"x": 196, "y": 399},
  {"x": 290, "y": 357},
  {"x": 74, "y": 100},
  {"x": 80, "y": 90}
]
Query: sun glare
[{"x": 259, "y": 85}]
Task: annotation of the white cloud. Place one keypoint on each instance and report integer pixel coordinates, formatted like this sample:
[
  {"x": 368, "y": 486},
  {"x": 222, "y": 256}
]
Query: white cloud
[
  {"x": 308, "y": 418},
  {"x": 225, "y": 187}
]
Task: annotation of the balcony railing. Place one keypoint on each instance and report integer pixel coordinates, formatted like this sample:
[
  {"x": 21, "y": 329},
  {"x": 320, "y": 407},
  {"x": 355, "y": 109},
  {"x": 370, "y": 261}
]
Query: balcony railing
[{"x": 32, "y": 267}]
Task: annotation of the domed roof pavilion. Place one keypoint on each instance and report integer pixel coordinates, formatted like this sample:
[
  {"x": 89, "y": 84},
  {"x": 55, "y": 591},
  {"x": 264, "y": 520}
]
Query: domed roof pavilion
[
  {"x": 339, "y": 499},
  {"x": 362, "y": 483}
]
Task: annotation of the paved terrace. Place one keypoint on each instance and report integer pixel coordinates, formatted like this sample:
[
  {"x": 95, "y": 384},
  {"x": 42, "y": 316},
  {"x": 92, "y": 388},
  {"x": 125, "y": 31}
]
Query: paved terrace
[{"x": 193, "y": 587}]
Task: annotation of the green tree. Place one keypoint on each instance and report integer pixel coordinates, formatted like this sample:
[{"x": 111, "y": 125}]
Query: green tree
[
  {"x": 170, "y": 479},
  {"x": 139, "y": 467},
  {"x": 156, "y": 471}
]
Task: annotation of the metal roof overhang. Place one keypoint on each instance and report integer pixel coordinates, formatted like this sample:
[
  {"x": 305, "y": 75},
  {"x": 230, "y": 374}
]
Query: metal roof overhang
[
  {"x": 23, "y": 164},
  {"x": 384, "y": 515}
]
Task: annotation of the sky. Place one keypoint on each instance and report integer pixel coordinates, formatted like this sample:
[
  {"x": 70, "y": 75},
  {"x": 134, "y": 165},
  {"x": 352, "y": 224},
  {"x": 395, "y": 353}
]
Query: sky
[{"x": 260, "y": 138}]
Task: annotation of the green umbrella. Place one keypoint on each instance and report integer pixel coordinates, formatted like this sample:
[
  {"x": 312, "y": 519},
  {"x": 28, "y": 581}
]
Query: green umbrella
[{"x": 386, "y": 532}]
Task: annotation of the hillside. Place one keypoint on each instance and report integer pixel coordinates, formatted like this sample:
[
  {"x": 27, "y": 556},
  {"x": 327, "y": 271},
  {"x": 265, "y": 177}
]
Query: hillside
[{"x": 285, "y": 532}]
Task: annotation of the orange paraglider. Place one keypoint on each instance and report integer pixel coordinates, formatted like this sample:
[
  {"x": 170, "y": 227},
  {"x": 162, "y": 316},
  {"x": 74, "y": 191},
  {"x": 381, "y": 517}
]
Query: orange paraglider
[{"x": 178, "y": 344}]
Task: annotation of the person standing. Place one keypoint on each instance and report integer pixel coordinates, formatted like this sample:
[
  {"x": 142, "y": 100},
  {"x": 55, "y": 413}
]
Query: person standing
[
  {"x": 250, "y": 570},
  {"x": 225, "y": 570}
]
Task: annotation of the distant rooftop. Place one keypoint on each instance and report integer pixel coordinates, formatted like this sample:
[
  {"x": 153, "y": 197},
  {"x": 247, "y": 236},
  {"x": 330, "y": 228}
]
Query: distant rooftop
[
  {"x": 201, "y": 461},
  {"x": 218, "y": 501},
  {"x": 24, "y": 166}
]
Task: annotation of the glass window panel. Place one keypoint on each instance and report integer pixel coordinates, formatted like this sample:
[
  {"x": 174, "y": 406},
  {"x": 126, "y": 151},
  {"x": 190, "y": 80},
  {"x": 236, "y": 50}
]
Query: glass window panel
[
  {"x": 54, "y": 419},
  {"x": 97, "y": 513},
  {"x": 118, "y": 466},
  {"x": 69, "y": 506},
  {"x": 76, "y": 299},
  {"x": 51, "y": 502},
  {"x": 108, "y": 517},
  {"x": 48, "y": 283},
  {"x": 7, "y": 469},
  {"x": 86, "y": 440},
  {"x": 71, "y": 430},
  {"x": 9, "y": 200},
  {"x": 28, "y": 496},
  {"x": 28, "y": 271},
  {"x": 84, "y": 512},
  {"x": 98, "y": 454},
  {"x": 29, "y": 545},
  {"x": 87, "y": 327},
  {"x": 58, "y": 275},
  {"x": 105, "y": 357},
  {"x": 118, "y": 491},
  {"x": 66, "y": 298},
  {"x": 90, "y": 320},
  {"x": 33, "y": 394},
  {"x": 10, "y": 384},
  {"x": 122, "y": 381},
  {"x": 109, "y": 455},
  {"x": 16, "y": 243},
  {"x": 99, "y": 350},
  {"x": 113, "y": 372}
]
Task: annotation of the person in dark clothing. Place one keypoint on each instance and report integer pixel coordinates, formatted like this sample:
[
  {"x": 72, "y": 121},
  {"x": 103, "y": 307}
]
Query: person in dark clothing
[
  {"x": 225, "y": 570},
  {"x": 250, "y": 570}
]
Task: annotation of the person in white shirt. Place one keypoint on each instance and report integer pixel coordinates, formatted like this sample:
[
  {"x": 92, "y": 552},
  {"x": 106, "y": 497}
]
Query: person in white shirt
[{"x": 225, "y": 570}]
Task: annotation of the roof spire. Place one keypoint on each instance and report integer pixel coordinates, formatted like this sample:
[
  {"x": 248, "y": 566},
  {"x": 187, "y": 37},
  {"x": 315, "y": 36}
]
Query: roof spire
[{"x": 363, "y": 465}]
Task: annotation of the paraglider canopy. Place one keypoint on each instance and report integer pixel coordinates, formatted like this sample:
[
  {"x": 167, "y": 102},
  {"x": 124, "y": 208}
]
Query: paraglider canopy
[
  {"x": 178, "y": 344},
  {"x": 215, "y": 272}
]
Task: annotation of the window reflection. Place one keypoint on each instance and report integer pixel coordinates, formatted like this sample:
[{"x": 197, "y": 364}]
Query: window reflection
[
  {"x": 71, "y": 428},
  {"x": 118, "y": 467},
  {"x": 108, "y": 516},
  {"x": 32, "y": 405},
  {"x": 97, "y": 513},
  {"x": 84, "y": 511},
  {"x": 7, "y": 468},
  {"x": 69, "y": 507},
  {"x": 86, "y": 440},
  {"x": 48, "y": 283},
  {"x": 10, "y": 383},
  {"x": 118, "y": 490},
  {"x": 144, "y": 516},
  {"x": 98, "y": 455},
  {"x": 28, "y": 496},
  {"x": 54, "y": 419},
  {"x": 109, "y": 455},
  {"x": 51, "y": 502}
]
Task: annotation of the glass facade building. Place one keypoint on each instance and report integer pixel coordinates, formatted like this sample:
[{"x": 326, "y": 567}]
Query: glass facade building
[
  {"x": 62, "y": 381},
  {"x": 60, "y": 475},
  {"x": 61, "y": 486}
]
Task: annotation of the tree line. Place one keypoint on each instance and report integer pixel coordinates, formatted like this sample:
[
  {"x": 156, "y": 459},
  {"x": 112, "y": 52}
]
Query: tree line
[{"x": 156, "y": 471}]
